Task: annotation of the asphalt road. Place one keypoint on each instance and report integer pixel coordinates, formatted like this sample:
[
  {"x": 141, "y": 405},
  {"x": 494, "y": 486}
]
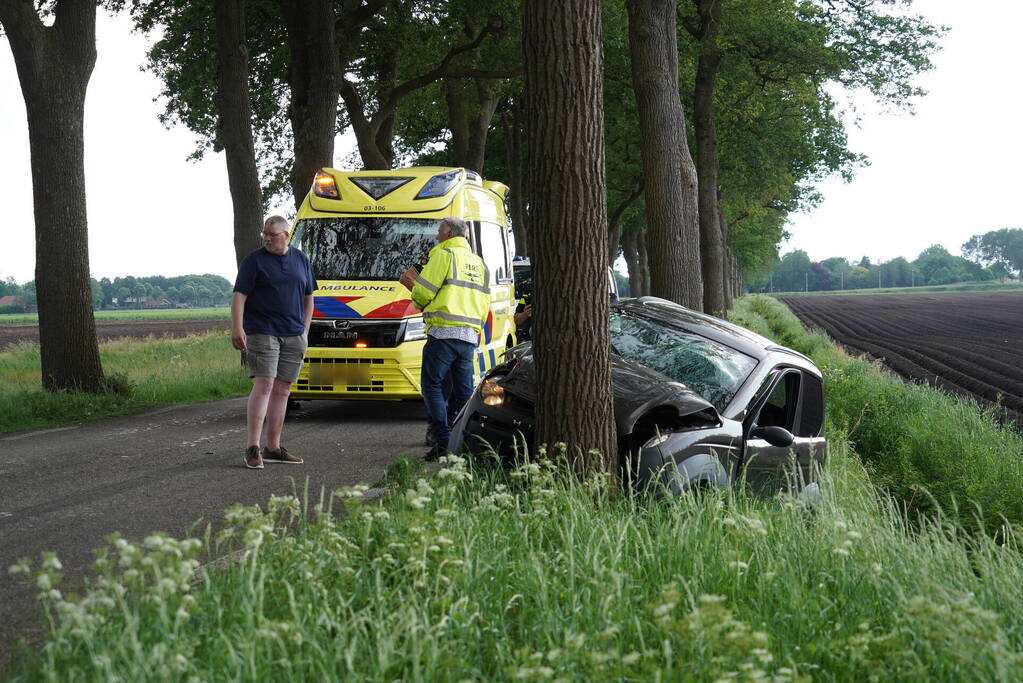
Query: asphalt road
[{"x": 66, "y": 489}]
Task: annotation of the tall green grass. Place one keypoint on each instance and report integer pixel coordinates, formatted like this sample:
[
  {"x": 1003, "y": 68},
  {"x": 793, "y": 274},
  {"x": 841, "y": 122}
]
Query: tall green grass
[
  {"x": 929, "y": 449},
  {"x": 476, "y": 574},
  {"x": 129, "y": 314},
  {"x": 144, "y": 373}
]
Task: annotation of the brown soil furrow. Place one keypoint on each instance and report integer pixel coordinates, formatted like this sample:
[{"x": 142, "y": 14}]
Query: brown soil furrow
[
  {"x": 964, "y": 342},
  {"x": 13, "y": 334},
  {"x": 976, "y": 382},
  {"x": 996, "y": 371}
]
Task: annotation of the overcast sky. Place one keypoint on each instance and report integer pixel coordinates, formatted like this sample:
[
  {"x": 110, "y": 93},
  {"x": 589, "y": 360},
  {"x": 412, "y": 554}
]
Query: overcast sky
[{"x": 949, "y": 172}]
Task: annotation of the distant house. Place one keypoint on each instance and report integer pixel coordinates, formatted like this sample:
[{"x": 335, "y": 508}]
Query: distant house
[{"x": 12, "y": 303}]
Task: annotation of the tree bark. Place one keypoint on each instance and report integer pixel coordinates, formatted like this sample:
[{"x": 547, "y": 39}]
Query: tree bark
[
  {"x": 712, "y": 253},
  {"x": 471, "y": 105},
  {"x": 614, "y": 221},
  {"x": 670, "y": 177},
  {"x": 643, "y": 253},
  {"x": 54, "y": 66},
  {"x": 235, "y": 121},
  {"x": 373, "y": 132},
  {"x": 631, "y": 256},
  {"x": 563, "y": 56},
  {"x": 728, "y": 270},
  {"x": 314, "y": 75},
  {"x": 518, "y": 178}
]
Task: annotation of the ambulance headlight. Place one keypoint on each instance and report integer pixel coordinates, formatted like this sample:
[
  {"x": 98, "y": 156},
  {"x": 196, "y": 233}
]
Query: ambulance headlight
[
  {"x": 415, "y": 329},
  {"x": 439, "y": 185},
  {"x": 492, "y": 393},
  {"x": 325, "y": 186}
]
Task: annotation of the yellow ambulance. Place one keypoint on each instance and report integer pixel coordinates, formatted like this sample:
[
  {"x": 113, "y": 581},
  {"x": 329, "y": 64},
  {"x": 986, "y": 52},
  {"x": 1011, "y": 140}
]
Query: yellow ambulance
[{"x": 361, "y": 231}]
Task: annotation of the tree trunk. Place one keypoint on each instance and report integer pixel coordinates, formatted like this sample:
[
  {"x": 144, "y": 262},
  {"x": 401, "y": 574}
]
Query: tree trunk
[
  {"x": 469, "y": 126},
  {"x": 563, "y": 56},
  {"x": 631, "y": 255},
  {"x": 235, "y": 119},
  {"x": 314, "y": 76},
  {"x": 670, "y": 177},
  {"x": 712, "y": 254},
  {"x": 729, "y": 280},
  {"x": 517, "y": 177},
  {"x": 728, "y": 269},
  {"x": 614, "y": 221},
  {"x": 643, "y": 252},
  {"x": 54, "y": 66}
]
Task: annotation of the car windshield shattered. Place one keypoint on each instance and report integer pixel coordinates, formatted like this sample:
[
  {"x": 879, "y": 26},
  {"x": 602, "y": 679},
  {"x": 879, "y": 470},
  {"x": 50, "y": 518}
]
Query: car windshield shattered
[
  {"x": 364, "y": 248},
  {"x": 712, "y": 370}
]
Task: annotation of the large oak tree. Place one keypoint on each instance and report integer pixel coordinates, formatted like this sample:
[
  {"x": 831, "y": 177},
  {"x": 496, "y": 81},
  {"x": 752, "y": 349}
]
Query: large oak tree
[
  {"x": 562, "y": 51},
  {"x": 235, "y": 124},
  {"x": 54, "y": 64},
  {"x": 670, "y": 186}
]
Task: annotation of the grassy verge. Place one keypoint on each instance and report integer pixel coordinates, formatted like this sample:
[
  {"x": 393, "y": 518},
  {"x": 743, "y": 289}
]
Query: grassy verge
[
  {"x": 929, "y": 289},
  {"x": 128, "y": 314},
  {"x": 146, "y": 372},
  {"x": 929, "y": 449},
  {"x": 482, "y": 575}
]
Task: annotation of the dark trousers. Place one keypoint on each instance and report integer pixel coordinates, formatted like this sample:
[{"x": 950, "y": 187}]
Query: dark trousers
[{"x": 445, "y": 358}]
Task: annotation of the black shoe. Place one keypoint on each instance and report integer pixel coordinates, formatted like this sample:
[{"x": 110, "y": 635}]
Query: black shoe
[{"x": 433, "y": 455}]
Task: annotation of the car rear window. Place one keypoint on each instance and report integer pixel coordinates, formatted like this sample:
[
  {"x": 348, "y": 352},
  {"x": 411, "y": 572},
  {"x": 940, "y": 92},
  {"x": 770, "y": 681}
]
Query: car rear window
[{"x": 712, "y": 370}]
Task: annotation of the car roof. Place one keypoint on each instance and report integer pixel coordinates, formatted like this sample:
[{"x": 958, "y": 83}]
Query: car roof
[{"x": 716, "y": 329}]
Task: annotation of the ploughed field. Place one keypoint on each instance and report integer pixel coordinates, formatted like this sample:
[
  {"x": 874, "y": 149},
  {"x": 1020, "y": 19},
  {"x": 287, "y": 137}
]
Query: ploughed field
[
  {"x": 12, "y": 334},
  {"x": 964, "y": 342}
]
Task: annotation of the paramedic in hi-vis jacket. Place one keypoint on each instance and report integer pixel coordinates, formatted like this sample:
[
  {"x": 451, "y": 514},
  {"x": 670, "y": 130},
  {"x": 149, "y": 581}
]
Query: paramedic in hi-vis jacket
[{"x": 453, "y": 292}]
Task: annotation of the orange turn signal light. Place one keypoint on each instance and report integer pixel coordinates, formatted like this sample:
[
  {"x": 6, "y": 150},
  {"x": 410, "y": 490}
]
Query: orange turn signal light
[
  {"x": 325, "y": 186},
  {"x": 361, "y": 345}
]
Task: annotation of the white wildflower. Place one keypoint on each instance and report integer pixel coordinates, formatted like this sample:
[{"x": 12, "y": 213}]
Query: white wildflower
[{"x": 51, "y": 563}]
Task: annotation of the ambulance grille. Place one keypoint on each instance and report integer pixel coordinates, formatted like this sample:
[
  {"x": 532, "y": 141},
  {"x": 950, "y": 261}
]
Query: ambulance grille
[{"x": 384, "y": 334}]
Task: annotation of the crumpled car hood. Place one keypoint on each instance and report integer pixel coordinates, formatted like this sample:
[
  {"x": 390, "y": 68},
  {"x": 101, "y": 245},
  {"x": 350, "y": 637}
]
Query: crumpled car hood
[{"x": 635, "y": 386}]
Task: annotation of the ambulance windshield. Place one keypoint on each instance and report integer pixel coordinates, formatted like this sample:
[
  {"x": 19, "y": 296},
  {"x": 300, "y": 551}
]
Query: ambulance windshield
[{"x": 364, "y": 247}]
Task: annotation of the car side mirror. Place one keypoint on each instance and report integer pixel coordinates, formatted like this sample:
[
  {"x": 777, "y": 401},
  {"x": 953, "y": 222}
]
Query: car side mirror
[{"x": 779, "y": 437}]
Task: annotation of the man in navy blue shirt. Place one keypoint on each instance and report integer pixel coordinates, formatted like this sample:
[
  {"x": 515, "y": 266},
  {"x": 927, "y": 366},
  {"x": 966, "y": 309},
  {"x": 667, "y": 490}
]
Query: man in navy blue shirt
[{"x": 271, "y": 310}]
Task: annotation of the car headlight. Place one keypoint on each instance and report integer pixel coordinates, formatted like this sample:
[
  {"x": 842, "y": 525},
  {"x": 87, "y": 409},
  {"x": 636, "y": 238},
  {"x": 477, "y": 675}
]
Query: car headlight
[
  {"x": 657, "y": 440},
  {"x": 492, "y": 393},
  {"x": 415, "y": 329},
  {"x": 439, "y": 185}
]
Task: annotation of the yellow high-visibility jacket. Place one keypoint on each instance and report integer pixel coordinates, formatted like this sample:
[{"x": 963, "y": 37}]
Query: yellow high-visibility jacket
[{"x": 454, "y": 287}]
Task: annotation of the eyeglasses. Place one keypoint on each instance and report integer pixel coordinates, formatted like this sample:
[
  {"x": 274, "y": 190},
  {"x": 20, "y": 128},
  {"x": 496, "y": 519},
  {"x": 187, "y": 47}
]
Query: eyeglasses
[{"x": 271, "y": 235}]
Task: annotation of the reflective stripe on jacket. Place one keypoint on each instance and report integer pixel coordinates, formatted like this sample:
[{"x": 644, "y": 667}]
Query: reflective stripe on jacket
[{"x": 454, "y": 287}]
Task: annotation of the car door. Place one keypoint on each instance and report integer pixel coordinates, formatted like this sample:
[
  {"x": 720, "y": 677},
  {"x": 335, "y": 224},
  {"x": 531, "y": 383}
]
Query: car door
[{"x": 793, "y": 400}]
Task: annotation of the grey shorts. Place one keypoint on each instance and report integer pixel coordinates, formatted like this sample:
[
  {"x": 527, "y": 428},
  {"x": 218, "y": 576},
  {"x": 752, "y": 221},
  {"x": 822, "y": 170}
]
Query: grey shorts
[{"x": 277, "y": 357}]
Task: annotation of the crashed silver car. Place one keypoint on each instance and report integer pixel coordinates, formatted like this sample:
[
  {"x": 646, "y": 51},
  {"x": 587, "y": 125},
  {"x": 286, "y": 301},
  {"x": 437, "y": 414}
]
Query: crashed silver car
[{"x": 698, "y": 401}]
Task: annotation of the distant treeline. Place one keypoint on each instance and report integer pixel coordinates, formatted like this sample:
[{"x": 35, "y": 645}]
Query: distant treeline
[
  {"x": 155, "y": 291},
  {"x": 992, "y": 256}
]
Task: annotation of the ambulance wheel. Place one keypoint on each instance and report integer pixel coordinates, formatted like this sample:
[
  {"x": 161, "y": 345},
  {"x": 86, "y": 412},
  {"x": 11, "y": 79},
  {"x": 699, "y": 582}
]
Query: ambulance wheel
[{"x": 292, "y": 408}]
